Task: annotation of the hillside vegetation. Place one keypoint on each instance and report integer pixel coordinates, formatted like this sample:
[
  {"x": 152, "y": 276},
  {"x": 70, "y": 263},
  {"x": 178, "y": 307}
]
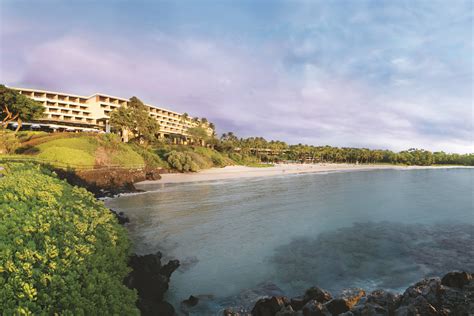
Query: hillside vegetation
[
  {"x": 89, "y": 150},
  {"x": 61, "y": 250},
  {"x": 80, "y": 150}
]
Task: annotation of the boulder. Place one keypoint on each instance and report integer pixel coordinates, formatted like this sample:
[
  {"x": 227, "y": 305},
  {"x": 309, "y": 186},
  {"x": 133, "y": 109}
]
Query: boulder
[
  {"x": 427, "y": 288},
  {"x": 152, "y": 308},
  {"x": 297, "y": 303},
  {"x": 315, "y": 308},
  {"x": 270, "y": 306},
  {"x": 337, "y": 306},
  {"x": 458, "y": 301},
  {"x": 419, "y": 306},
  {"x": 191, "y": 301},
  {"x": 286, "y": 311},
  {"x": 384, "y": 299},
  {"x": 456, "y": 279},
  {"x": 150, "y": 278},
  {"x": 318, "y": 294},
  {"x": 352, "y": 296},
  {"x": 121, "y": 217},
  {"x": 369, "y": 309},
  {"x": 228, "y": 312}
]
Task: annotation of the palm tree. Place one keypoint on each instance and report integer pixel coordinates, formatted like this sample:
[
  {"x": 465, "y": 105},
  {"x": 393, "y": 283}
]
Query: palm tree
[{"x": 184, "y": 117}]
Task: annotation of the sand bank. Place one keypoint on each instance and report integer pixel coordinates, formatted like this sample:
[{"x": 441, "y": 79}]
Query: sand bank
[{"x": 237, "y": 172}]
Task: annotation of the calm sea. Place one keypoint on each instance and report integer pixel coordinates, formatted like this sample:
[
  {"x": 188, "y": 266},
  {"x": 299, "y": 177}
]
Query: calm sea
[{"x": 240, "y": 238}]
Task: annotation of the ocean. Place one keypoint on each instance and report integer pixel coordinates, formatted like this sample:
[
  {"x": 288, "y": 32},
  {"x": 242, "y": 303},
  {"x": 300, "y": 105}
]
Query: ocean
[{"x": 239, "y": 239}]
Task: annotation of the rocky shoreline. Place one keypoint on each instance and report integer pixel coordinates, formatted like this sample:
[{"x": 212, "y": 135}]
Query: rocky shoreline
[
  {"x": 109, "y": 182},
  {"x": 151, "y": 280},
  {"x": 453, "y": 294}
]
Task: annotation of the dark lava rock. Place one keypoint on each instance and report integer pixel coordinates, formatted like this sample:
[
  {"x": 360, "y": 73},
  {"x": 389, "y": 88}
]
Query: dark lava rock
[
  {"x": 150, "y": 278},
  {"x": 338, "y": 306},
  {"x": 191, "y": 301},
  {"x": 453, "y": 295},
  {"x": 297, "y": 303},
  {"x": 387, "y": 300},
  {"x": 228, "y": 312},
  {"x": 155, "y": 308},
  {"x": 458, "y": 301},
  {"x": 313, "y": 293},
  {"x": 318, "y": 294},
  {"x": 371, "y": 309},
  {"x": 427, "y": 288},
  {"x": 419, "y": 306},
  {"x": 315, "y": 308},
  {"x": 153, "y": 174},
  {"x": 352, "y": 296},
  {"x": 121, "y": 217},
  {"x": 269, "y": 306},
  {"x": 286, "y": 311},
  {"x": 456, "y": 279}
]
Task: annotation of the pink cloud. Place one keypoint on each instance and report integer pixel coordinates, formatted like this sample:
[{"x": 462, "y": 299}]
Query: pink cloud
[{"x": 253, "y": 94}]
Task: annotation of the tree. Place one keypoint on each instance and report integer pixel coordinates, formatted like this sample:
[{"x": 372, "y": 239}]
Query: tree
[
  {"x": 136, "y": 120},
  {"x": 198, "y": 133},
  {"x": 184, "y": 117},
  {"x": 17, "y": 107}
]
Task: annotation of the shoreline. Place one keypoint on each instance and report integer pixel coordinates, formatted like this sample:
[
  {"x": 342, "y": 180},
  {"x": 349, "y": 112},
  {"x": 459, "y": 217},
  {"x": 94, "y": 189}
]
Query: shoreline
[{"x": 241, "y": 172}]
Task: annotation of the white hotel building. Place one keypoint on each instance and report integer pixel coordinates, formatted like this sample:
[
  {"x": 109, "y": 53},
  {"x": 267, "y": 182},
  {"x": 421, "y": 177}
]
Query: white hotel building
[{"x": 72, "y": 112}]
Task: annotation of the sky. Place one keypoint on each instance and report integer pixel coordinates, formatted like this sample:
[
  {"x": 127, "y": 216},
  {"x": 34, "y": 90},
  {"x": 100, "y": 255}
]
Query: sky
[{"x": 377, "y": 74}]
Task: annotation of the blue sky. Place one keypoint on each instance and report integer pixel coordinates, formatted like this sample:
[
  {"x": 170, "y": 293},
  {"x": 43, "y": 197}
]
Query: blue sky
[{"x": 380, "y": 74}]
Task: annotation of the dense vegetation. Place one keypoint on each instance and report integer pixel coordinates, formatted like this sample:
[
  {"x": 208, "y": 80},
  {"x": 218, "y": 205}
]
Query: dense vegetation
[
  {"x": 273, "y": 151},
  {"x": 88, "y": 150},
  {"x": 61, "y": 250}
]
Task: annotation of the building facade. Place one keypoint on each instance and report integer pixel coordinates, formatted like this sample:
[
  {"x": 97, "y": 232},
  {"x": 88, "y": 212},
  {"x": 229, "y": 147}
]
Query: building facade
[{"x": 80, "y": 113}]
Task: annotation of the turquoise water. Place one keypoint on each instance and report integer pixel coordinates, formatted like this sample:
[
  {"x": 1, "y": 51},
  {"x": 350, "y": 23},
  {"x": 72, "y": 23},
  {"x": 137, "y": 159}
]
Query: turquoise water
[{"x": 240, "y": 238}]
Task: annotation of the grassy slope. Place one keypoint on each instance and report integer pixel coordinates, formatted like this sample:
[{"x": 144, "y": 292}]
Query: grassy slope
[
  {"x": 88, "y": 150},
  {"x": 80, "y": 150}
]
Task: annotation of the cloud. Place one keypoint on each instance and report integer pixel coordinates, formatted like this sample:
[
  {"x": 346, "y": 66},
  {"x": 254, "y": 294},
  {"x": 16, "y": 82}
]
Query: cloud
[{"x": 317, "y": 81}]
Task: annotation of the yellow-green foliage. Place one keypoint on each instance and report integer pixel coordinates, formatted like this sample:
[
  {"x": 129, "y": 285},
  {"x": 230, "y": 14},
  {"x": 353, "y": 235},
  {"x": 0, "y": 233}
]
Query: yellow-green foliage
[
  {"x": 24, "y": 136},
  {"x": 8, "y": 142},
  {"x": 181, "y": 161},
  {"x": 82, "y": 150},
  {"x": 243, "y": 159},
  {"x": 216, "y": 158},
  {"x": 196, "y": 158},
  {"x": 152, "y": 160},
  {"x": 61, "y": 250}
]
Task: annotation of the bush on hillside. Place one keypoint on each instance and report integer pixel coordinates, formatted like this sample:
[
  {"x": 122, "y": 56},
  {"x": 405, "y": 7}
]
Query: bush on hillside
[
  {"x": 8, "y": 142},
  {"x": 216, "y": 158},
  {"x": 243, "y": 159},
  {"x": 24, "y": 136},
  {"x": 61, "y": 250},
  {"x": 181, "y": 161},
  {"x": 151, "y": 159}
]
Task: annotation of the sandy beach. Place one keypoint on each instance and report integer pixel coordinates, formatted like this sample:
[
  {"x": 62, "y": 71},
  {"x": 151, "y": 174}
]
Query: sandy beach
[{"x": 238, "y": 172}]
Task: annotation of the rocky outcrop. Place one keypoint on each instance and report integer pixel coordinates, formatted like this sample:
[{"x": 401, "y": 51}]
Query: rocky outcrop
[
  {"x": 150, "y": 278},
  {"x": 451, "y": 295},
  {"x": 121, "y": 217},
  {"x": 109, "y": 181}
]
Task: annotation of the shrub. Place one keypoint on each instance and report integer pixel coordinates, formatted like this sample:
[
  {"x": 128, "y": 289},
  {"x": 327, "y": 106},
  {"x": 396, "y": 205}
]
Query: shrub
[
  {"x": 151, "y": 159},
  {"x": 8, "y": 142},
  {"x": 61, "y": 250},
  {"x": 181, "y": 161}
]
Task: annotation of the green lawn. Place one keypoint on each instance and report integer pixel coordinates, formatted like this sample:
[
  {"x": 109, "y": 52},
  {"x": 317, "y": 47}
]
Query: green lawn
[{"x": 79, "y": 151}]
